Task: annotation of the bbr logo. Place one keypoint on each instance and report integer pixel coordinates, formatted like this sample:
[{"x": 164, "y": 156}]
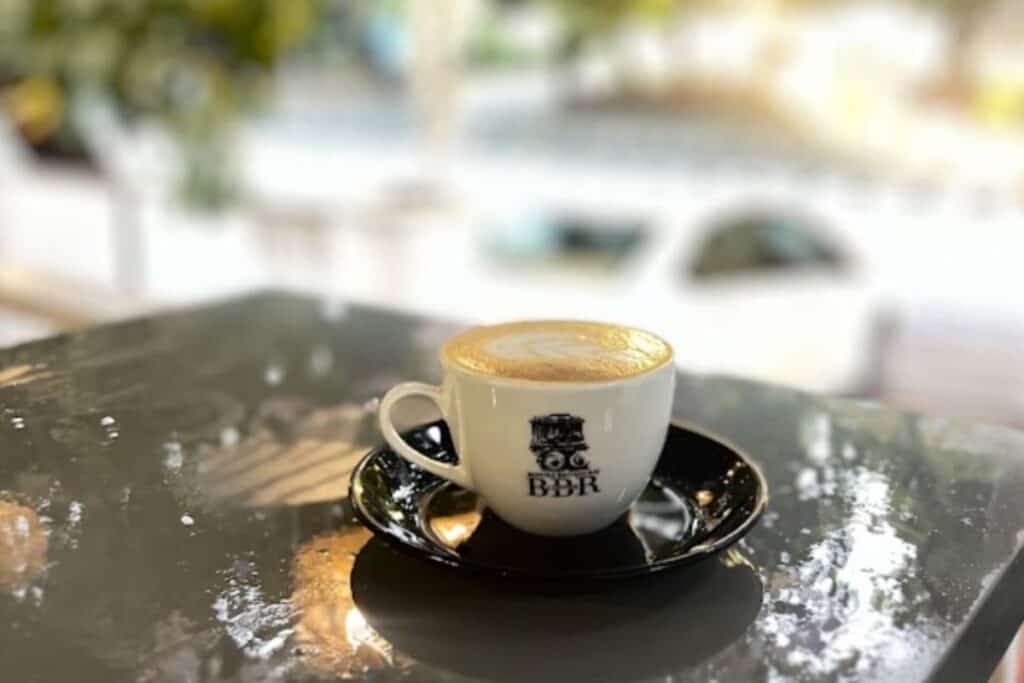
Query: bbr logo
[
  {"x": 542, "y": 485},
  {"x": 558, "y": 445}
]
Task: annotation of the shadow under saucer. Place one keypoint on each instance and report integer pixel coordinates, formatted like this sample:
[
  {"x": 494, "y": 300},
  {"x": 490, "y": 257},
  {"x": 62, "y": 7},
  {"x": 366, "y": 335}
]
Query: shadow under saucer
[{"x": 493, "y": 628}]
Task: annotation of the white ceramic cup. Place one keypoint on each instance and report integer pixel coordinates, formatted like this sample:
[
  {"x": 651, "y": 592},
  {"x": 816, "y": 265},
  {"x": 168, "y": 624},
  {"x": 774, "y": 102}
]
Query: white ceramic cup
[{"x": 556, "y": 458}]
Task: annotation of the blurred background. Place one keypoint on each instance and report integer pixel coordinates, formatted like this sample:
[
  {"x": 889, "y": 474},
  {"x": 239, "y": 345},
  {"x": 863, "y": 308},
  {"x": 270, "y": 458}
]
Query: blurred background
[
  {"x": 827, "y": 195},
  {"x": 821, "y": 194}
]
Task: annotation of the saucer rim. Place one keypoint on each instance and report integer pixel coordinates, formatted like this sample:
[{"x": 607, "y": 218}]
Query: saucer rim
[{"x": 691, "y": 556}]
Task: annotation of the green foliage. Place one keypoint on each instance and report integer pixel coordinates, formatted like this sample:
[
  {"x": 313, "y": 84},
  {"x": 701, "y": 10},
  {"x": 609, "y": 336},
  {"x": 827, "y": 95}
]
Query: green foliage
[
  {"x": 491, "y": 47},
  {"x": 194, "y": 64},
  {"x": 598, "y": 17}
]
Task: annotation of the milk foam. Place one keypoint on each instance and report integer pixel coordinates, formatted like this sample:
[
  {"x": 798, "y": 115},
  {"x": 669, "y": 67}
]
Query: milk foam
[
  {"x": 556, "y": 345},
  {"x": 557, "y": 351}
]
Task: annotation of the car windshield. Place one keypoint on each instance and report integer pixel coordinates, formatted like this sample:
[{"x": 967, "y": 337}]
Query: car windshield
[{"x": 757, "y": 242}]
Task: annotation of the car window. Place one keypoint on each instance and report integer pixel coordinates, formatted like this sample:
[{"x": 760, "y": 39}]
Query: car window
[
  {"x": 764, "y": 241},
  {"x": 565, "y": 239}
]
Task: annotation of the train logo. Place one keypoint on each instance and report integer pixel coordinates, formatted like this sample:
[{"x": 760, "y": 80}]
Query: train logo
[{"x": 557, "y": 443}]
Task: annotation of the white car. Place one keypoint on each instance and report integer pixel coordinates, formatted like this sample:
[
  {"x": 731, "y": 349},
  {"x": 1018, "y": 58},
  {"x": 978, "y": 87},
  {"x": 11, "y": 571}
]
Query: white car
[{"x": 757, "y": 290}]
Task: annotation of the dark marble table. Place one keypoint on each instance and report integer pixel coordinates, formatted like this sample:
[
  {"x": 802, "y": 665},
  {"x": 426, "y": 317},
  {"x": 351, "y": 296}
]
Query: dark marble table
[{"x": 172, "y": 508}]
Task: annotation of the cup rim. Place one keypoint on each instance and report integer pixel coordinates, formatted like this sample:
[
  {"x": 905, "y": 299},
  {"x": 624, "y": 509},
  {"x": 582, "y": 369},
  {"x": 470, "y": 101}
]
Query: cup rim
[{"x": 569, "y": 385}]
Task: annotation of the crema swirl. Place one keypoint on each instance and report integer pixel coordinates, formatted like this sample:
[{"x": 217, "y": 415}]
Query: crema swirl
[{"x": 557, "y": 351}]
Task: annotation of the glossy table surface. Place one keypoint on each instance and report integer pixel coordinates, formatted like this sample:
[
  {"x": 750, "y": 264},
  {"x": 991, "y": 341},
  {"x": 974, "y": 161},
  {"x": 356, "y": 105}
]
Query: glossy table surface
[{"x": 173, "y": 508}]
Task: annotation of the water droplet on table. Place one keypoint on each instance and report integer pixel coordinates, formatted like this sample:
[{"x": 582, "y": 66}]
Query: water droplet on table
[
  {"x": 229, "y": 436},
  {"x": 274, "y": 374},
  {"x": 173, "y": 455},
  {"x": 321, "y": 360}
]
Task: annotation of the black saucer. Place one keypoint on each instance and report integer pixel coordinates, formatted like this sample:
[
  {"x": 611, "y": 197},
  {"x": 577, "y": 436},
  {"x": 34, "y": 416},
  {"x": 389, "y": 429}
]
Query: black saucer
[{"x": 704, "y": 496}]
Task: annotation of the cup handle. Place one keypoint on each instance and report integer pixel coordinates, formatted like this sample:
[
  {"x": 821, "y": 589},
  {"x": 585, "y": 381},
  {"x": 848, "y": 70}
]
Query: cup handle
[{"x": 454, "y": 473}]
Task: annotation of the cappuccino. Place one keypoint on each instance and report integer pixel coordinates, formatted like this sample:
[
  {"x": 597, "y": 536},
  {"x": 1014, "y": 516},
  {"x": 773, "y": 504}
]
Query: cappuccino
[
  {"x": 557, "y": 351},
  {"x": 557, "y": 424}
]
